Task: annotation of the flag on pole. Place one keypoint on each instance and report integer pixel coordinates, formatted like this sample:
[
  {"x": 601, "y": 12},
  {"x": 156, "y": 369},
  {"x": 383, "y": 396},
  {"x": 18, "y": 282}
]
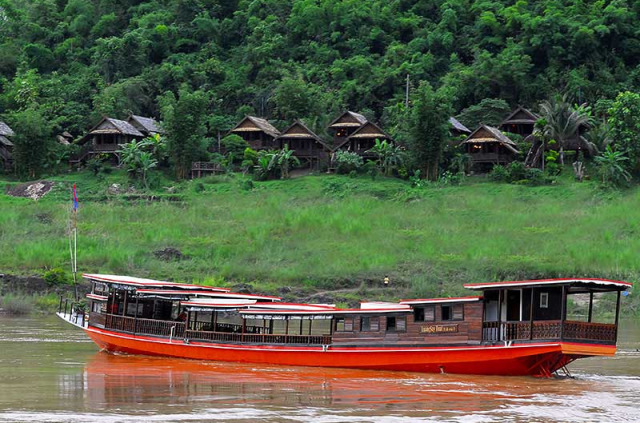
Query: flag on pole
[{"x": 75, "y": 198}]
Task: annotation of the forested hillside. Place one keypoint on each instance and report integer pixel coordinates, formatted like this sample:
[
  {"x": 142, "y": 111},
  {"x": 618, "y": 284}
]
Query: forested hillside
[{"x": 284, "y": 59}]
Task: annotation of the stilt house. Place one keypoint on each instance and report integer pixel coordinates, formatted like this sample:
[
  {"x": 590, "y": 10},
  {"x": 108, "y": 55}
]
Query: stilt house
[
  {"x": 520, "y": 121},
  {"x": 107, "y": 137},
  {"x": 487, "y": 147},
  {"x": 257, "y": 132},
  {"x": 306, "y": 145},
  {"x": 345, "y": 125},
  {"x": 363, "y": 139},
  {"x": 6, "y": 146}
]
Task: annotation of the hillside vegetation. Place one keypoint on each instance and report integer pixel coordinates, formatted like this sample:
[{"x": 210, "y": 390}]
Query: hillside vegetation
[
  {"x": 285, "y": 59},
  {"x": 319, "y": 233}
]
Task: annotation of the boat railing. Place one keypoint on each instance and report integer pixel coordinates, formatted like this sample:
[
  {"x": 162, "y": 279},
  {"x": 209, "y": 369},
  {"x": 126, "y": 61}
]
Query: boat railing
[
  {"x": 261, "y": 338},
  {"x": 549, "y": 330},
  {"x": 225, "y": 332},
  {"x": 70, "y": 312}
]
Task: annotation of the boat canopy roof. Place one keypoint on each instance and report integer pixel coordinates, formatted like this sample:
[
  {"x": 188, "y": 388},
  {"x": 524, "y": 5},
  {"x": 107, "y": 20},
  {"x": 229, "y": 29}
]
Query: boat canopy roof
[
  {"x": 575, "y": 284},
  {"x": 226, "y": 294},
  {"x": 440, "y": 300},
  {"x": 149, "y": 283},
  {"x": 212, "y": 303}
]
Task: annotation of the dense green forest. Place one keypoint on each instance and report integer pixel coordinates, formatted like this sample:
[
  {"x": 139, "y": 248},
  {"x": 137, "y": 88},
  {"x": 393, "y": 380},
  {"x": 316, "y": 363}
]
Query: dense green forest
[{"x": 76, "y": 60}]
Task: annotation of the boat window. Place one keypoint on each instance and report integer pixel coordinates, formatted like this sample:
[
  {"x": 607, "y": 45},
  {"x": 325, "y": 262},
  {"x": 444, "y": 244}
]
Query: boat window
[
  {"x": 396, "y": 323},
  {"x": 391, "y": 323},
  {"x": 369, "y": 324},
  {"x": 344, "y": 324},
  {"x": 424, "y": 314},
  {"x": 453, "y": 312},
  {"x": 544, "y": 300}
]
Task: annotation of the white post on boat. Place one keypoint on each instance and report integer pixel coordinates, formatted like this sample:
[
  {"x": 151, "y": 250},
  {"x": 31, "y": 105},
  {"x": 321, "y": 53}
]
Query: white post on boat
[{"x": 73, "y": 250}]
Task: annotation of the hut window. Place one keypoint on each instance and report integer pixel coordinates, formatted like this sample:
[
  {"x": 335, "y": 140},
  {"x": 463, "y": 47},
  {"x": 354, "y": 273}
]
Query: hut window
[
  {"x": 424, "y": 314},
  {"x": 453, "y": 312},
  {"x": 544, "y": 300},
  {"x": 344, "y": 324},
  {"x": 369, "y": 324}
]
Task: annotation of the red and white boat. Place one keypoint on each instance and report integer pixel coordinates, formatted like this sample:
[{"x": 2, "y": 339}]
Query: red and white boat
[{"x": 513, "y": 328}]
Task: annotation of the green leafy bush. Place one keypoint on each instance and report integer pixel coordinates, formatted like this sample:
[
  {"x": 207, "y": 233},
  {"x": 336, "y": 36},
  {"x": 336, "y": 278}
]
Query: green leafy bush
[
  {"x": 56, "y": 276},
  {"x": 347, "y": 162}
]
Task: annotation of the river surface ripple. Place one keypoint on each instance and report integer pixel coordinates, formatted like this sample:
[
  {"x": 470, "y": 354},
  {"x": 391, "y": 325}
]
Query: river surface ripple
[{"x": 51, "y": 372}]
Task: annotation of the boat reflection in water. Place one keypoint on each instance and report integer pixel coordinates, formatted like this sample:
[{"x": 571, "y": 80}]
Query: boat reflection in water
[{"x": 167, "y": 385}]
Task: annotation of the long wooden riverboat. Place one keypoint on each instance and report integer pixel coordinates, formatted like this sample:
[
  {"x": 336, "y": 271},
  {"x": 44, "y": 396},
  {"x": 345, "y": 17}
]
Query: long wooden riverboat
[{"x": 513, "y": 328}]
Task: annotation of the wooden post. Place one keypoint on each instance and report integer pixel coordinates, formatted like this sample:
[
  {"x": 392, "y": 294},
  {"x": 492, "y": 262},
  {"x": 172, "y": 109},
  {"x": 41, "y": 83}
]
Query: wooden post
[
  {"x": 286, "y": 328},
  {"x": 590, "y": 305},
  {"x": 310, "y": 322},
  {"x": 499, "y": 315},
  {"x": 244, "y": 327},
  {"x": 617, "y": 315},
  {"x": 135, "y": 318},
  {"x": 563, "y": 311},
  {"x": 531, "y": 315},
  {"x": 215, "y": 320}
]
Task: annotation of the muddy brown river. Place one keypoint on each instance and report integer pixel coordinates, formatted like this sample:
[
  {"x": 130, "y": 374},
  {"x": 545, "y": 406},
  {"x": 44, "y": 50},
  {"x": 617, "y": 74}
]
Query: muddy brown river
[{"x": 51, "y": 372}]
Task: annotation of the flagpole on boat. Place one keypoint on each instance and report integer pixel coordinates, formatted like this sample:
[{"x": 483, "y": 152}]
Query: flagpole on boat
[{"x": 74, "y": 250}]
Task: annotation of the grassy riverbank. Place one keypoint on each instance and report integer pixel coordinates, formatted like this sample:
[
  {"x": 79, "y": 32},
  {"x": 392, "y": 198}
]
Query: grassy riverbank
[{"x": 319, "y": 233}]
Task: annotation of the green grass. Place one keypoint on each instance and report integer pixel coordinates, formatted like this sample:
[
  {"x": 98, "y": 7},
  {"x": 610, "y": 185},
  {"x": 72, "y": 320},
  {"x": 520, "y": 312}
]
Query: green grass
[{"x": 328, "y": 232}]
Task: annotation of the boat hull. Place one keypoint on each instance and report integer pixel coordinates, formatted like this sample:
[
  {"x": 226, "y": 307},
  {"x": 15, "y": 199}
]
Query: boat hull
[{"x": 537, "y": 359}]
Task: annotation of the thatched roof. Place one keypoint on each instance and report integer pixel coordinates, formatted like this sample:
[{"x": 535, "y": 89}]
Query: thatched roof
[
  {"x": 348, "y": 119},
  {"x": 5, "y": 141},
  {"x": 255, "y": 124},
  {"x": 489, "y": 134},
  {"x": 115, "y": 126},
  {"x": 519, "y": 116},
  {"x": 367, "y": 131},
  {"x": 145, "y": 124},
  {"x": 299, "y": 130},
  {"x": 5, "y": 130},
  {"x": 458, "y": 126}
]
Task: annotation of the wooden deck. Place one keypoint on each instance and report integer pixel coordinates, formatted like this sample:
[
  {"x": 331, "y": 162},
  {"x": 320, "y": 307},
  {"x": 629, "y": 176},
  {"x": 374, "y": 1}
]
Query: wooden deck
[{"x": 549, "y": 330}]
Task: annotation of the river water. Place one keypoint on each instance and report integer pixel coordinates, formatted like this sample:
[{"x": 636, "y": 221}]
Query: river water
[{"x": 51, "y": 372}]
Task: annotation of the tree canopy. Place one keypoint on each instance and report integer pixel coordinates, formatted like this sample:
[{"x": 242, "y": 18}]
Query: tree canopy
[{"x": 285, "y": 59}]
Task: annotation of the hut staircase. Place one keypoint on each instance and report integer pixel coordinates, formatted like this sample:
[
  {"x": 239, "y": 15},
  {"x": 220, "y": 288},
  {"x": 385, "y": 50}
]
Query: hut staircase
[{"x": 82, "y": 155}]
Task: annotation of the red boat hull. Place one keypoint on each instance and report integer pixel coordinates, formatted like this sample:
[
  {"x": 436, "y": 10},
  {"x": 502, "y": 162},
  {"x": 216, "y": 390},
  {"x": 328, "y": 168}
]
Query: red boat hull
[{"x": 538, "y": 359}]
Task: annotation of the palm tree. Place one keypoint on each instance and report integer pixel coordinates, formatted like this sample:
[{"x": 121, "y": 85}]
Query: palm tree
[{"x": 561, "y": 121}]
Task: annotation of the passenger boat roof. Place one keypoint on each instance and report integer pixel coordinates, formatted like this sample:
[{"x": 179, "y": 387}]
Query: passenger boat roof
[
  {"x": 591, "y": 284},
  {"x": 207, "y": 294},
  {"x": 326, "y": 311},
  {"x": 441, "y": 300},
  {"x": 218, "y": 302},
  {"x": 149, "y": 283}
]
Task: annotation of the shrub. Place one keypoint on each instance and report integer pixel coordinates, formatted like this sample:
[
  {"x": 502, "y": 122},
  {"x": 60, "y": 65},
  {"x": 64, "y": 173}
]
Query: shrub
[
  {"x": 499, "y": 173},
  {"x": 55, "y": 276},
  {"x": 516, "y": 171},
  {"x": 235, "y": 146},
  {"x": 347, "y": 162}
]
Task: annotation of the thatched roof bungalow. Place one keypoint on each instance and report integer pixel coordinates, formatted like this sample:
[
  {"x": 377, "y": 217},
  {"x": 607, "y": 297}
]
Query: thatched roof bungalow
[
  {"x": 308, "y": 147},
  {"x": 487, "y": 146},
  {"x": 257, "y": 132},
  {"x": 6, "y": 146},
  {"x": 363, "y": 139},
  {"x": 521, "y": 121},
  {"x": 345, "y": 124}
]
